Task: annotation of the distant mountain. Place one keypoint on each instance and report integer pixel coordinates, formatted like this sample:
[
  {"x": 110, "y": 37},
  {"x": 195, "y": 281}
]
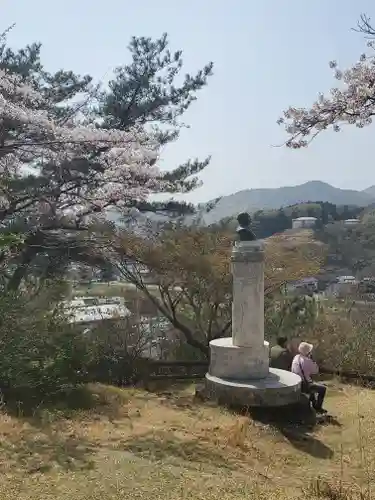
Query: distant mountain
[
  {"x": 370, "y": 190},
  {"x": 251, "y": 200}
]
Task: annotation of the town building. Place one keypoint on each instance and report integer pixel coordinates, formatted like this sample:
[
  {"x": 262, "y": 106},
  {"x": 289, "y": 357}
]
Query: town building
[
  {"x": 304, "y": 286},
  {"x": 304, "y": 223},
  {"x": 351, "y": 222}
]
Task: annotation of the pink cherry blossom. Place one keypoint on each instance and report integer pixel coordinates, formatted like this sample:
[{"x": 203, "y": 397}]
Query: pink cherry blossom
[
  {"x": 32, "y": 142},
  {"x": 352, "y": 103}
]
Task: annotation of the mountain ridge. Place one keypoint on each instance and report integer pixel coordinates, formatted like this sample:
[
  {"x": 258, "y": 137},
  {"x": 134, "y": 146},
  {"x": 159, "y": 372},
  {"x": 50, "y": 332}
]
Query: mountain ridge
[{"x": 251, "y": 200}]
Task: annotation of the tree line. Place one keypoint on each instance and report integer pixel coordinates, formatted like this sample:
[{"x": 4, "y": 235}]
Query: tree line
[{"x": 269, "y": 222}]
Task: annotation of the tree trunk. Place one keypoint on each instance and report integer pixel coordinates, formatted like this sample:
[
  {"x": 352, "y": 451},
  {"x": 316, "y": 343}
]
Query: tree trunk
[
  {"x": 21, "y": 271},
  {"x": 188, "y": 334}
]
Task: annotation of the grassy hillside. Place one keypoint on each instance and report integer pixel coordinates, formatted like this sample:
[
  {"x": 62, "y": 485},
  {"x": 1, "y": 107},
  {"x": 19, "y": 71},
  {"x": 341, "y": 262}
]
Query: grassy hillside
[{"x": 161, "y": 445}]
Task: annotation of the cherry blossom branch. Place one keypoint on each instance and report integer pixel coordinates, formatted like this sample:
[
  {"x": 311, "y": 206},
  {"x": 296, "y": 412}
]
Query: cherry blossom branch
[
  {"x": 353, "y": 104},
  {"x": 86, "y": 168}
]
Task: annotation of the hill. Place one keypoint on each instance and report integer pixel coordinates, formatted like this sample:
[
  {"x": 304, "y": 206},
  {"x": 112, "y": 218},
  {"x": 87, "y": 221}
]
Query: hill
[
  {"x": 370, "y": 190},
  {"x": 302, "y": 199},
  {"x": 268, "y": 222},
  {"x": 156, "y": 445},
  {"x": 251, "y": 200}
]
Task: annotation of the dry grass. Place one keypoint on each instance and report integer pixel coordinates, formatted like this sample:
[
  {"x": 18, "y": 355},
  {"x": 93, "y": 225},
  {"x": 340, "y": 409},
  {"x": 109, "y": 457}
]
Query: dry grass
[{"x": 160, "y": 445}]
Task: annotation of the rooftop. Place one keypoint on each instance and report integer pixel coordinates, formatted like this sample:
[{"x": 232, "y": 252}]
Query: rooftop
[
  {"x": 88, "y": 309},
  {"x": 306, "y": 218}
]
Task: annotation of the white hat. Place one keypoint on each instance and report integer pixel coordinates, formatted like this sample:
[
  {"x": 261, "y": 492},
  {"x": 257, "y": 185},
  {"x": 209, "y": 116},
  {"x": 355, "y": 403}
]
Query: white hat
[{"x": 304, "y": 348}]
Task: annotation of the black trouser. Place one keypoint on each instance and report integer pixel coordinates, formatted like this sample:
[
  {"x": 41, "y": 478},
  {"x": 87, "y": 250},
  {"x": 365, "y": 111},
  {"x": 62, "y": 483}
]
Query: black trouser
[{"x": 317, "y": 393}]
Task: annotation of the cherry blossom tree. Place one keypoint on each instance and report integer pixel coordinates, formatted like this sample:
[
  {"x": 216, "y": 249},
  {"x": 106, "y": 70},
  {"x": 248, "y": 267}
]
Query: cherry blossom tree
[
  {"x": 49, "y": 177},
  {"x": 62, "y": 165},
  {"x": 351, "y": 102},
  {"x": 123, "y": 168}
]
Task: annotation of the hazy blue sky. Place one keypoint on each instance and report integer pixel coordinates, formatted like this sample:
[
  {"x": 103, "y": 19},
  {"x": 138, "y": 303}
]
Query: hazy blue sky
[{"x": 268, "y": 54}]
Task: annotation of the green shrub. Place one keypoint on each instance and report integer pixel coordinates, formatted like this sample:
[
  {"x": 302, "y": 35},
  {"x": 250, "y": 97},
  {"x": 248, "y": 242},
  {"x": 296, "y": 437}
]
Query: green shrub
[
  {"x": 118, "y": 349},
  {"x": 42, "y": 356},
  {"x": 345, "y": 345}
]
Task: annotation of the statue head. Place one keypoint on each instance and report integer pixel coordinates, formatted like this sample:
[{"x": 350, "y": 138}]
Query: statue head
[
  {"x": 244, "y": 230},
  {"x": 244, "y": 219}
]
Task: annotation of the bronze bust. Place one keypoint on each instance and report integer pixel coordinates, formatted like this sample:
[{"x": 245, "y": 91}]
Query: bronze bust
[{"x": 244, "y": 230}]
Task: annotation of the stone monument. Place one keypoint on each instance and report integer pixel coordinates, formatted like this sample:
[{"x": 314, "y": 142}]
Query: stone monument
[{"x": 239, "y": 370}]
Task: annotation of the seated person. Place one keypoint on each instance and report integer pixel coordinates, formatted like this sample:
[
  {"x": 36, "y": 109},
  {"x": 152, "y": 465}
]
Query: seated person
[
  {"x": 304, "y": 366},
  {"x": 280, "y": 356}
]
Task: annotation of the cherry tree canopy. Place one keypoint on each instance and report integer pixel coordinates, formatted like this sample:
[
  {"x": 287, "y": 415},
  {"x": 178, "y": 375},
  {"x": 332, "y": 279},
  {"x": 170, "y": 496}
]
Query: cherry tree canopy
[
  {"x": 84, "y": 168},
  {"x": 69, "y": 151},
  {"x": 352, "y": 102}
]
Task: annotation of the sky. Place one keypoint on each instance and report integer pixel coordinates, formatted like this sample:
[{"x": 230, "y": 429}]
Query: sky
[{"x": 267, "y": 54}]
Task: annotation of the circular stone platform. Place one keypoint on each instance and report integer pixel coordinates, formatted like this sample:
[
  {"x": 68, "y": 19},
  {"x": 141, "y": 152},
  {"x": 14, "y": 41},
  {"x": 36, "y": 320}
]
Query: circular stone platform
[
  {"x": 279, "y": 388},
  {"x": 229, "y": 361}
]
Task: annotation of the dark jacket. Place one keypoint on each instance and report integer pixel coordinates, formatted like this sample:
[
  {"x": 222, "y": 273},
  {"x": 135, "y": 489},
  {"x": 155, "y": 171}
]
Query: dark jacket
[{"x": 281, "y": 358}]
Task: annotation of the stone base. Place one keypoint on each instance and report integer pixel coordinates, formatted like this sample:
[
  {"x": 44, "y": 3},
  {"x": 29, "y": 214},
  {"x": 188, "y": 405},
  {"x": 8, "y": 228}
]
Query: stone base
[
  {"x": 233, "y": 362},
  {"x": 279, "y": 388}
]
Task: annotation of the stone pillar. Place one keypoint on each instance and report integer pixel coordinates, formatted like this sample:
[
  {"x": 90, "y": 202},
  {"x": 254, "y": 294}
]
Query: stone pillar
[
  {"x": 239, "y": 372},
  {"x": 248, "y": 294},
  {"x": 245, "y": 355}
]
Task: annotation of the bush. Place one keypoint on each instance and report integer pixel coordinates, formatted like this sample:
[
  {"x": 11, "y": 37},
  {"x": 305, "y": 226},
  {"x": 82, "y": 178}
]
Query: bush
[
  {"x": 346, "y": 345},
  {"x": 118, "y": 350},
  {"x": 42, "y": 356},
  {"x": 289, "y": 316}
]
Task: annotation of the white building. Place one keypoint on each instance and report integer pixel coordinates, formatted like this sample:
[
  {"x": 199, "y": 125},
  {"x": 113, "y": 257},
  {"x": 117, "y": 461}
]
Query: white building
[
  {"x": 303, "y": 286},
  {"x": 347, "y": 280},
  {"x": 93, "y": 309},
  {"x": 304, "y": 222},
  {"x": 351, "y": 222},
  {"x": 342, "y": 286}
]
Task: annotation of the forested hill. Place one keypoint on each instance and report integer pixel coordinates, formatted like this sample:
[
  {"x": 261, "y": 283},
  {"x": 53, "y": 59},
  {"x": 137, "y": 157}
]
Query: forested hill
[
  {"x": 268, "y": 222},
  {"x": 251, "y": 200}
]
